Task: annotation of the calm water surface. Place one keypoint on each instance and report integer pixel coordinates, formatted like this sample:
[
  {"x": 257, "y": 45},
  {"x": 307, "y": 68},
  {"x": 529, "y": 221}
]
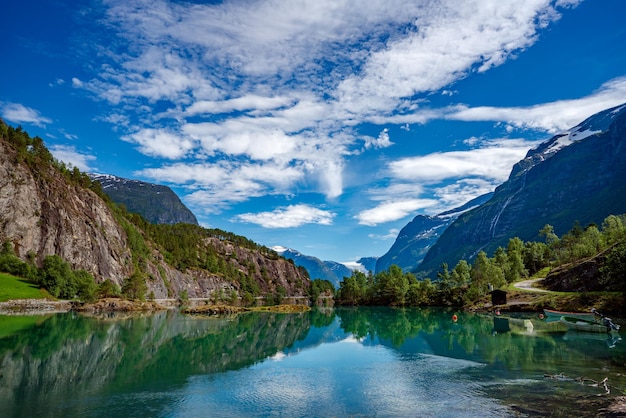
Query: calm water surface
[{"x": 342, "y": 362}]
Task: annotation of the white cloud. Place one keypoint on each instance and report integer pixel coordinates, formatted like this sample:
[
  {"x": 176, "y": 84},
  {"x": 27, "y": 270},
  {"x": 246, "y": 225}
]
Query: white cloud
[
  {"x": 392, "y": 234},
  {"x": 270, "y": 84},
  {"x": 248, "y": 102},
  {"x": 70, "y": 156},
  {"x": 289, "y": 217},
  {"x": 215, "y": 186},
  {"x": 392, "y": 211},
  {"x": 18, "y": 113},
  {"x": 381, "y": 142},
  {"x": 493, "y": 162},
  {"x": 551, "y": 117},
  {"x": 445, "y": 44},
  {"x": 458, "y": 193},
  {"x": 160, "y": 143}
]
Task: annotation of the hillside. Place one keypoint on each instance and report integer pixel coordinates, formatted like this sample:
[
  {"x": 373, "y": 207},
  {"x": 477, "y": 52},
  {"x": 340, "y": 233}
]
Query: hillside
[
  {"x": 575, "y": 176},
  {"x": 46, "y": 209},
  {"x": 157, "y": 203}
]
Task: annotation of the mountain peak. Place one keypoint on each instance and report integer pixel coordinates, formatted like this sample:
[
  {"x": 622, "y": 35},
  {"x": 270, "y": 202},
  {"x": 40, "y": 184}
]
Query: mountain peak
[{"x": 157, "y": 203}]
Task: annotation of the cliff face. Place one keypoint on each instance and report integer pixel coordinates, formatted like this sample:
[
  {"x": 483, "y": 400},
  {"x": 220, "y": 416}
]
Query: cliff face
[
  {"x": 42, "y": 214},
  {"x": 50, "y": 216}
]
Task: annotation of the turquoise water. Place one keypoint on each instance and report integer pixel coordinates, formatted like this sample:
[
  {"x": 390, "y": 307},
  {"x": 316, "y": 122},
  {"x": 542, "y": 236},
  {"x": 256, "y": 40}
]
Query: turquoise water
[{"x": 343, "y": 362}]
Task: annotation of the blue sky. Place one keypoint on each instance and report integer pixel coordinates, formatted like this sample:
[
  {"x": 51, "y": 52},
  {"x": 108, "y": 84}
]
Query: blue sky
[{"x": 323, "y": 126}]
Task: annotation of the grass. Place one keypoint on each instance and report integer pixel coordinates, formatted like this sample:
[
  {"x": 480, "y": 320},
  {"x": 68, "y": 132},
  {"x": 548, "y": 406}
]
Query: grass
[{"x": 12, "y": 287}]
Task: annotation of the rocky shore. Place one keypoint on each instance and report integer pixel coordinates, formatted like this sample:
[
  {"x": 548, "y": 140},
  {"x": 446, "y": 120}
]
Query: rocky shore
[{"x": 35, "y": 306}]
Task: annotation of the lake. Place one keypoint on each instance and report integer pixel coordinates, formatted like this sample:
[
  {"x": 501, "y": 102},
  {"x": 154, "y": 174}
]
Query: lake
[{"x": 344, "y": 362}]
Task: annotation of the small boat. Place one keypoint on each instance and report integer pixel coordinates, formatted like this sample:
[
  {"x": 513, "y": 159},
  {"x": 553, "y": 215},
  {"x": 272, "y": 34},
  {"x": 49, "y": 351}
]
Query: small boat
[
  {"x": 605, "y": 325},
  {"x": 551, "y": 315}
]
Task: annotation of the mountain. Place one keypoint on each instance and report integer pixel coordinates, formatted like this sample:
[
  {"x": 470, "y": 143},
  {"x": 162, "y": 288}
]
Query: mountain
[
  {"x": 326, "y": 270},
  {"x": 157, "y": 203},
  {"x": 574, "y": 176},
  {"x": 46, "y": 209},
  {"x": 416, "y": 238}
]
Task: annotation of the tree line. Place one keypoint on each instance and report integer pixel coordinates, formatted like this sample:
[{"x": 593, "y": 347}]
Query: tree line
[{"x": 466, "y": 283}]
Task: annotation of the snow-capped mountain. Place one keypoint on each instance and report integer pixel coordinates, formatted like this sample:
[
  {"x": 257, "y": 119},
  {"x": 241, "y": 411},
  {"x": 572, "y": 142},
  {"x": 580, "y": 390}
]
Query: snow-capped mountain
[
  {"x": 574, "y": 176},
  {"x": 332, "y": 271},
  {"x": 157, "y": 203},
  {"x": 416, "y": 238}
]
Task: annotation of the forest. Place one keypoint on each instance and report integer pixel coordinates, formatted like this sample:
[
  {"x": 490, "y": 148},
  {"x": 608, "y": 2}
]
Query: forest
[{"x": 466, "y": 283}]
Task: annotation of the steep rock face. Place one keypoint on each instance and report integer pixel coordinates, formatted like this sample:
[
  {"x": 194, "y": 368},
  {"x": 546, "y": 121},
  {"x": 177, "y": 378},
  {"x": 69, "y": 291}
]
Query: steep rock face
[
  {"x": 416, "y": 238},
  {"x": 42, "y": 214},
  {"x": 576, "y": 176},
  {"x": 53, "y": 217},
  {"x": 157, "y": 203}
]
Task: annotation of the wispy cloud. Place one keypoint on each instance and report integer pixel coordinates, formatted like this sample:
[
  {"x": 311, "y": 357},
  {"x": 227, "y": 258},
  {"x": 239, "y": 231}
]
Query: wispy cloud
[
  {"x": 493, "y": 161},
  {"x": 18, "y": 113},
  {"x": 241, "y": 99},
  {"x": 392, "y": 234},
  {"x": 72, "y": 157},
  {"x": 289, "y": 217},
  {"x": 450, "y": 179},
  {"x": 550, "y": 117},
  {"x": 391, "y": 211}
]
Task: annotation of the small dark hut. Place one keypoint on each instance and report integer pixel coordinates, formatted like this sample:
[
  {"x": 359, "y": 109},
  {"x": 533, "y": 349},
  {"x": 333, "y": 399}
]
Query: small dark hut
[{"x": 498, "y": 297}]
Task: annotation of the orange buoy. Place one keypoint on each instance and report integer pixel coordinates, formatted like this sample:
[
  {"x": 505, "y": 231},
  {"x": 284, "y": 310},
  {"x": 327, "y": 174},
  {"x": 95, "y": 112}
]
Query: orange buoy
[{"x": 454, "y": 317}]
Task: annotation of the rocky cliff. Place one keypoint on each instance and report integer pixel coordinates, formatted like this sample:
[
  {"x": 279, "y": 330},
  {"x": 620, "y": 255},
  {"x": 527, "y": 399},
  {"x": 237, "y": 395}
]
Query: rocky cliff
[
  {"x": 43, "y": 213},
  {"x": 575, "y": 176}
]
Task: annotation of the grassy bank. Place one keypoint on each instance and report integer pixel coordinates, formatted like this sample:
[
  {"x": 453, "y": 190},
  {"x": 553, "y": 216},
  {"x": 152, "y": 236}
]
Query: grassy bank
[{"x": 12, "y": 288}]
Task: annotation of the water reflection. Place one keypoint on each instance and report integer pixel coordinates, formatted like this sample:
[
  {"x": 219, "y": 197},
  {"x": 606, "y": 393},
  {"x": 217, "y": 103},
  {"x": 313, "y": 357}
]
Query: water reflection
[{"x": 371, "y": 361}]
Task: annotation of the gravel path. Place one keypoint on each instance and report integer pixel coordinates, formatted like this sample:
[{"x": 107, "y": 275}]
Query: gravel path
[{"x": 529, "y": 285}]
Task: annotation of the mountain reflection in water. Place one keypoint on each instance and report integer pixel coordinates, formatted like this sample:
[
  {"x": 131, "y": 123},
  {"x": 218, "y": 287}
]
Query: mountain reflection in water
[{"x": 359, "y": 361}]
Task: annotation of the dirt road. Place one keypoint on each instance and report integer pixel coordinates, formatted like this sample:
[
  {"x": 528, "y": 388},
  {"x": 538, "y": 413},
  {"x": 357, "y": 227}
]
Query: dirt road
[{"x": 529, "y": 285}]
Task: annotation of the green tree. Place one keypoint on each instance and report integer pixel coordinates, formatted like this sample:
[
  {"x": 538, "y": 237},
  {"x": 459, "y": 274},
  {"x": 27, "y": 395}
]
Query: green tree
[
  {"x": 515, "y": 260},
  {"x": 612, "y": 272},
  {"x": 85, "y": 285},
  {"x": 57, "y": 277},
  {"x": 391, "y": 286},
  {"x": 349, "y": 292},
  {"x": 108, "y": 289},
  {"x": 462, "y": 274},
  {"x": 134, "y": 287}
]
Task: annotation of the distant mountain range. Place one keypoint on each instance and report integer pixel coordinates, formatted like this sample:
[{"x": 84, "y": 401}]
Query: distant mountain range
[
  {"x": 157, "y": 203},
  {"x": 326, "y": 270},
  {"x": 416, "y": 238},
  {"x": 576, "y": 176}
]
